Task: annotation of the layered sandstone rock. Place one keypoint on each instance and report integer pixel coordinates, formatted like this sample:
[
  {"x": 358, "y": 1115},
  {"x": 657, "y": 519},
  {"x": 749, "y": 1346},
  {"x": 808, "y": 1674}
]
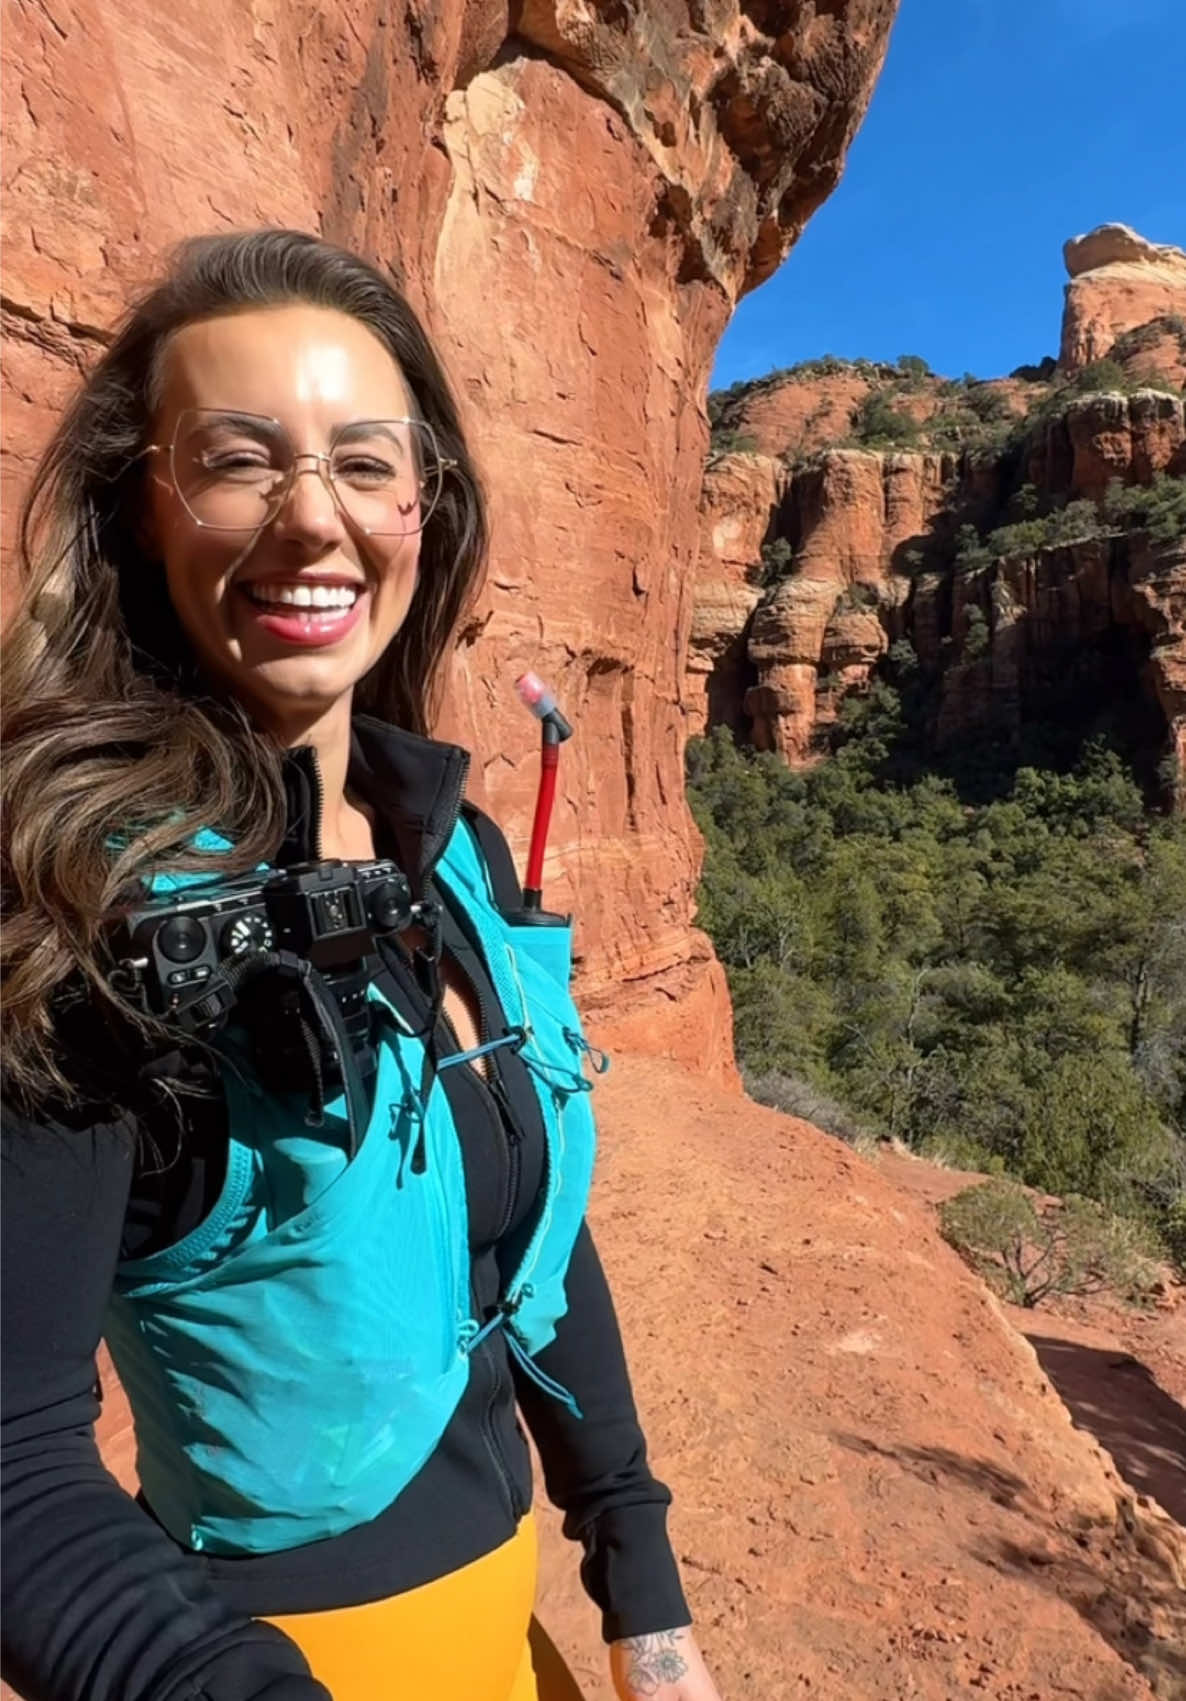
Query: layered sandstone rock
[
  {"x": 795, "y": 413},
  {"x": 873, "y": 536},
  {"x": 1118, "y": 281},
  {"x": 1101, "y": 438},
  {"x": 1110, "y": 612},
  {"x": 803, "y": 414},
  {"x": 738, "y": 509},
  {"x": 576, "y": 199}
]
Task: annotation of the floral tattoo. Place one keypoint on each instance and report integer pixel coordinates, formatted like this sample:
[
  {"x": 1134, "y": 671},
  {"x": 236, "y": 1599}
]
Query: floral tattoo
[{"x": 655, "y": 1660}]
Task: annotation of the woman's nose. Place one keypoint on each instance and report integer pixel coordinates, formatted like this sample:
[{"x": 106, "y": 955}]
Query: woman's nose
[{"x": 309, "y": 512}]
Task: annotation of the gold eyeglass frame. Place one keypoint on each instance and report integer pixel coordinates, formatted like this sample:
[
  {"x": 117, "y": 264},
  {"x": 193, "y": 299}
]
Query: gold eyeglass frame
[{"x": 321, "y": 460}]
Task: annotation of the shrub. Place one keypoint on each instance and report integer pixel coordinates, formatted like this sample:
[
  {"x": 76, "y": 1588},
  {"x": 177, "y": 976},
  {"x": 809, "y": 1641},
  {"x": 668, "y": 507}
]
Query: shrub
[
  {"x": 989, "y": 406},
  {"x": 1099, "y": 376},
  {"x": 856, "y": 596},
  {"x": 971, "y": 556},
  {"x": 1042, "y": 373},
  {"x": 903, "y": 659},
  {"x": 877, "y": 421},
  {"x": 913, "y": 366},
  {"x": 1173, "y": 1234},
  {"x": 796, "y": 1097},
  {"x": 777, "y": 559},
  {"x": 977, "y": 637},
  {"x": 1158, "y": 508},
  {"x": 727, "y": 441},
  {"x": 1027, "y": 1253}
]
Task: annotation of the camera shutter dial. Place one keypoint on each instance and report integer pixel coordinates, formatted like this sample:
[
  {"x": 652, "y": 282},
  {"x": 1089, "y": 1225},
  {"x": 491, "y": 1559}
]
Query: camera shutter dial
[
  {"x": 388, "y": 906},
  {"x": 181, "y": 939},
  {"x": 245, "y": 934}
]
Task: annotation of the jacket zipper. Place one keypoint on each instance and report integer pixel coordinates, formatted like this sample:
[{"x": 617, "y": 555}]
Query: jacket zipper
[
  {"x": 489, "y": 1354},
  {"x": 318, "y": 806}
]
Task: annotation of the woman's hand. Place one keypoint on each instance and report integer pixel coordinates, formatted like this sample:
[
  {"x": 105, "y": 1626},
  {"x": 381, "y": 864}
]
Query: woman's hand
[{"x": 663, "y": 1666}]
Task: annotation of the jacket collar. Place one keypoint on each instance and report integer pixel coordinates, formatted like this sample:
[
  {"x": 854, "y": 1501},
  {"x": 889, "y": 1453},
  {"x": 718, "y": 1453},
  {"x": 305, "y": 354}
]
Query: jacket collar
[{"x": 414, "y": 785}]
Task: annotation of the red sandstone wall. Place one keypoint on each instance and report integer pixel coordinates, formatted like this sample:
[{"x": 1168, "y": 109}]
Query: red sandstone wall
[{"x": 576, "y": 201}]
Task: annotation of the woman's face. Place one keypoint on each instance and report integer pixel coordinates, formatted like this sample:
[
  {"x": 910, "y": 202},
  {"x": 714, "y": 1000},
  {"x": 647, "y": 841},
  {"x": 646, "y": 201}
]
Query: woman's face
[{"x": 289, "y": 614}]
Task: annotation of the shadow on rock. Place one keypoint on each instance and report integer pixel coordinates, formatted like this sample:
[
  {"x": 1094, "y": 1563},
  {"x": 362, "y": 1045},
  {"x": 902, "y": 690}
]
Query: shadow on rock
[
  {"x": 1116, "y": 1399},
  {"x": 1125, "y": 1582},
  {"x": 930, "y": 1464},
  {"x": 1124, "y": 1576}
]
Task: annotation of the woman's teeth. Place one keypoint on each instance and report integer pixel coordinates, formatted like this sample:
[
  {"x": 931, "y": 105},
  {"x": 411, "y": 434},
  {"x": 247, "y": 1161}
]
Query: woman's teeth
[{"x": 305, "y": 596}]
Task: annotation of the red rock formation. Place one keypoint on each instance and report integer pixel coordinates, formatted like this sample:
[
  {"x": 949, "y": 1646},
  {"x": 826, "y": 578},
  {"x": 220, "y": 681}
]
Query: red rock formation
[
  {"x": 1118, "y": 281},
  {"x": 817, "y": 405},
  {"x": 738, "y": 506},
  {"x": 803, "y": 414},
  {"x": 1101, "y": 438},
  {"x": 873, "y": 534},
  {"x": 576, "y": 200},
  {"x": 1155, "y": 353}
]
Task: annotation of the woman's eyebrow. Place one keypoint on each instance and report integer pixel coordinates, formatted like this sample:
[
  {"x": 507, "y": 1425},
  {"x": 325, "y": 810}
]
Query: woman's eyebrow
[
  {"x": 255, "y": 422},
  {"x": 370, "y": 428}
]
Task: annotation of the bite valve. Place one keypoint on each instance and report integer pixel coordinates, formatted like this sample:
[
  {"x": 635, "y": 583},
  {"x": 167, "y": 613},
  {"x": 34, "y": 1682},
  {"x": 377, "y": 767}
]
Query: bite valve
[{"x": 535, "y": 696}]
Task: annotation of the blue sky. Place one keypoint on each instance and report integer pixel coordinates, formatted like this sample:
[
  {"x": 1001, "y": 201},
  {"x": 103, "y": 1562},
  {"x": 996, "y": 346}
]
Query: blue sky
[{"x": 998, "y": 129}]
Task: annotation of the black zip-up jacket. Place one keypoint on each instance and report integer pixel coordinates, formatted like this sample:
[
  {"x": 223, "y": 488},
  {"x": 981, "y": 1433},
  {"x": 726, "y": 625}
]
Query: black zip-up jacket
[{"x": 99, "y": 1602}]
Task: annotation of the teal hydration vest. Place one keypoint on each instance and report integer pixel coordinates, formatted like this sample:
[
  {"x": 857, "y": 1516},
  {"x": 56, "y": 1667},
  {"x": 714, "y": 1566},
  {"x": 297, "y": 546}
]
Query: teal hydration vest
[{"x": 293, "y": 1362}]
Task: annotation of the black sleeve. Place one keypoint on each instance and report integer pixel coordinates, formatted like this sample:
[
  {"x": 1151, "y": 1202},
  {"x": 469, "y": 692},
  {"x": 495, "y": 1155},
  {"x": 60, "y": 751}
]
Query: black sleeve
[
  {"x": 595, "y": 1466},
  {"x": 98, "y": 1603}
]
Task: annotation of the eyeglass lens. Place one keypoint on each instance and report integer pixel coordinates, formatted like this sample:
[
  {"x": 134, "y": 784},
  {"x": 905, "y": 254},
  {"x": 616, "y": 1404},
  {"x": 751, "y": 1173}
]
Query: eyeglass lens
[{"x": 233, "y": 471}]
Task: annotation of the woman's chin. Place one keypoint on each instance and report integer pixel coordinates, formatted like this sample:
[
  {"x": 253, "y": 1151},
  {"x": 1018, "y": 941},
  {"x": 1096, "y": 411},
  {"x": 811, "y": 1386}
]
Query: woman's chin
[{"x": 280, "y": 689}]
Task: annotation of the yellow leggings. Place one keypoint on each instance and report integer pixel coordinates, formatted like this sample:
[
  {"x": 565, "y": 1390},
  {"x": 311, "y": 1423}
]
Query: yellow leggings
[{"x": 462, "y": 1637}]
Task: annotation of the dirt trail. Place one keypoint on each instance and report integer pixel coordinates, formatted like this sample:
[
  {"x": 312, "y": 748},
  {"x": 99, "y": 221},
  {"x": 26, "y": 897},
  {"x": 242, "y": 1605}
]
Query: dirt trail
[{"x": 879, "y": 1495}]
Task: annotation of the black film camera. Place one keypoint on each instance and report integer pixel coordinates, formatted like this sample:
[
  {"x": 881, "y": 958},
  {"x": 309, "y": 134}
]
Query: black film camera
[{"x": 271, "y": 946}]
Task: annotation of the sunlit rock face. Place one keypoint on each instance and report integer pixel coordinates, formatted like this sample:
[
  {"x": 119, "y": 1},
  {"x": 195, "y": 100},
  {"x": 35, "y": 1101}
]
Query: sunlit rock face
[
  {"x": 575, "y": 196},
  {"x": 1118, "y": 282}
]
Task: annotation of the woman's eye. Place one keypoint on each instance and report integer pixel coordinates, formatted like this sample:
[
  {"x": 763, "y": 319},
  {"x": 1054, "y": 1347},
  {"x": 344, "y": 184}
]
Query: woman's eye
[
  {"x": 363, "y": 467},
  {"x": 228, "y": 460}
]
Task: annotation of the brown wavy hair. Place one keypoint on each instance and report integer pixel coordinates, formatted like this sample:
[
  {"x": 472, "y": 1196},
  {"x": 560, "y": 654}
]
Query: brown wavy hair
[{"x": 115, "y": 752}]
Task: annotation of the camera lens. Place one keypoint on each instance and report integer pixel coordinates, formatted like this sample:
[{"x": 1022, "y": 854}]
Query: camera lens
[{"x": 181, "y": 939}]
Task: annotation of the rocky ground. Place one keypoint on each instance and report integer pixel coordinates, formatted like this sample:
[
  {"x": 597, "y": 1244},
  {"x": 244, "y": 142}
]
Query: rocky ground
[{"x": 880, "y": 1495}]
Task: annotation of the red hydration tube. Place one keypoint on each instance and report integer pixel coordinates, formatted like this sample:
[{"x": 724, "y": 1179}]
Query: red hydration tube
[
  {"x": 549, "y": 762},
  {"x": 554, "y": 729}
]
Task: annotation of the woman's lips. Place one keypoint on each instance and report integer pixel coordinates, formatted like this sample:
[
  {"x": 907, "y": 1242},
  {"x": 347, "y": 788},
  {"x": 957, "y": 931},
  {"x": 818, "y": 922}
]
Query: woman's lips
[{"x": 305, "y": 628}]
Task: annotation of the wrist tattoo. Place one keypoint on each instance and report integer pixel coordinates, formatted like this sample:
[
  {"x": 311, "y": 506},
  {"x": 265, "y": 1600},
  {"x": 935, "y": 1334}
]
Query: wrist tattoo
[{"x": 654, "y": 1660}]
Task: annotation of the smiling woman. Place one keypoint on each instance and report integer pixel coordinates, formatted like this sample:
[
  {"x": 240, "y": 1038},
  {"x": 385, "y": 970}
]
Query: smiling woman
[{"x": 245, "y": 554}]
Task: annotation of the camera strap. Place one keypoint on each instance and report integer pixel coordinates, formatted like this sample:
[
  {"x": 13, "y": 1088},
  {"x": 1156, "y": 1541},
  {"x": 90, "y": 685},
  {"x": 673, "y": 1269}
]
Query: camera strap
[{"x": 322, "y": 1032}]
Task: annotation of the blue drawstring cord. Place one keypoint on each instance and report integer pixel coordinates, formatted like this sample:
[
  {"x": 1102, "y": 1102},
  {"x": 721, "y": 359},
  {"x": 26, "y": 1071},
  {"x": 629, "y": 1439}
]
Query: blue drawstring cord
[
  {"x": 514, "y": 1037},
  {"x": 470, "y": 1336},
  {"x": 599, "y": 1059},
  {"x": 541, "y": 1377}
]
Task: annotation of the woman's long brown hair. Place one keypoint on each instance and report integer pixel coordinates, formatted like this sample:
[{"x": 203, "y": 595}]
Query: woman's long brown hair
[{"x": 114, "y": 753}]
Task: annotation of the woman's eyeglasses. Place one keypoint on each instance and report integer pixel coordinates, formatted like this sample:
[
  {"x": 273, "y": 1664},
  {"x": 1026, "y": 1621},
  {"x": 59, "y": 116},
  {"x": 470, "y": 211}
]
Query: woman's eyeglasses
[{"x": 234, "y": 471}]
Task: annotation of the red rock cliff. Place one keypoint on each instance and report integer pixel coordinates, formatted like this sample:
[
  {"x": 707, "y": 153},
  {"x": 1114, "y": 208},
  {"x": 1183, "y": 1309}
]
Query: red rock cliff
[
  {"x": 869, "y": 533},
  {"x": 577, "y": 196},
  {"x": 1118, "y": 281}
]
